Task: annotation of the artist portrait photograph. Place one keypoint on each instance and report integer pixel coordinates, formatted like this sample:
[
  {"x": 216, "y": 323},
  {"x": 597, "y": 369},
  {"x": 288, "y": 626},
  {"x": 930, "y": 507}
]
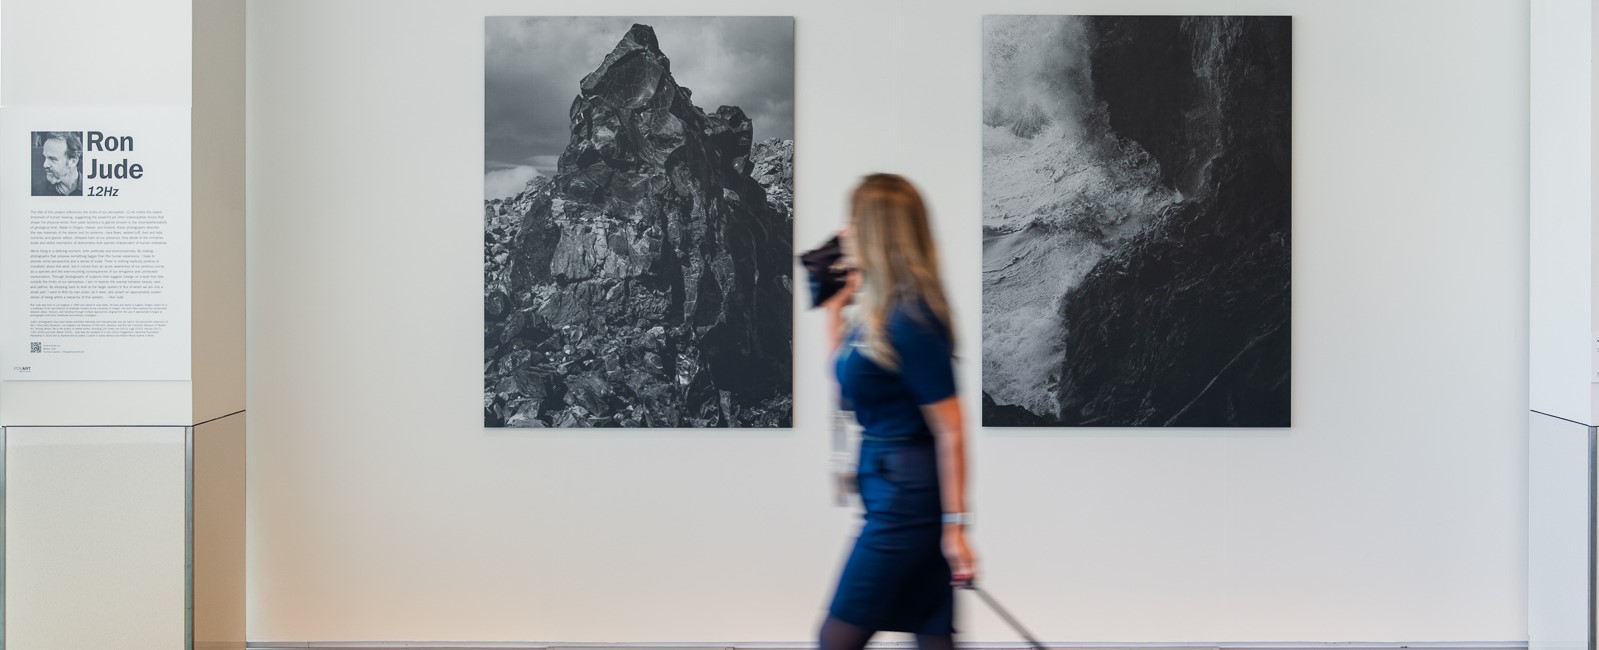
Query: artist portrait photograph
[{"x": 57, "y": 163}]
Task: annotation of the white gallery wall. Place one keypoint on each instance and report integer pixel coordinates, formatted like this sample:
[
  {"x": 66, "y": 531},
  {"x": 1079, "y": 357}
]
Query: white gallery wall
[{"x": 381, "y": 510}]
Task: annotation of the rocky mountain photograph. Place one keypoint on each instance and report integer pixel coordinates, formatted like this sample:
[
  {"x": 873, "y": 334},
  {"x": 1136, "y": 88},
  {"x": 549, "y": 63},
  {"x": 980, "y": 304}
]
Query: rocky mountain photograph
[
  {"x": 1136, "y": 221},
  {"x": 638, "y": 235}
]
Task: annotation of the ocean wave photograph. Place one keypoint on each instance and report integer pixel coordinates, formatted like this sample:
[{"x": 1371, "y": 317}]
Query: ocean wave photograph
[{"x": 1136, "y": 221}]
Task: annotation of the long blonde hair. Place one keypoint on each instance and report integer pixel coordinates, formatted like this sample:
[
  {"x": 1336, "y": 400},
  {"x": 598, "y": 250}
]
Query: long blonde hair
[{"x": 893, "y": 248}]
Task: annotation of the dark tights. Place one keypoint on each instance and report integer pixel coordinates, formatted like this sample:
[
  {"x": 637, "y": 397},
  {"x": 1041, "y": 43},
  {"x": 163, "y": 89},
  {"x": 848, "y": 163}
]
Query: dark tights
[{"x": 838, "y": 635}]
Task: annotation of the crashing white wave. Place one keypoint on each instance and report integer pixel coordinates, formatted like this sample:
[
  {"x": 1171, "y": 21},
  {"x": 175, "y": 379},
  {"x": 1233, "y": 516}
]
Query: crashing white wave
[{"x": 1060, "y": 191}]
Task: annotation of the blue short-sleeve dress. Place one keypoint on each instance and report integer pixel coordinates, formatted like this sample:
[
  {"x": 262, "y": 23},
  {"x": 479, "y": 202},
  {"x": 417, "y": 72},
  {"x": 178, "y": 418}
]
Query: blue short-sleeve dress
[{"x": 896, "y": 578}]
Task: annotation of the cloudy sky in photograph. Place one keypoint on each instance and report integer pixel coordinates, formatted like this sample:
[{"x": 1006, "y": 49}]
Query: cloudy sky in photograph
[{"x": 532, "y": 66}]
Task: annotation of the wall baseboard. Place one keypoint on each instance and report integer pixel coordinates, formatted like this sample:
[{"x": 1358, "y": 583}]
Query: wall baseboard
[{"x": 974, "y": 645}]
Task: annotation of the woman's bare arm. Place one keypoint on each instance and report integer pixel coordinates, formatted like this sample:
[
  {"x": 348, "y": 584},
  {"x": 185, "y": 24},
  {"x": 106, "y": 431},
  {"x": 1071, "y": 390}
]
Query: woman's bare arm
[{"x": 948, "y": 422}]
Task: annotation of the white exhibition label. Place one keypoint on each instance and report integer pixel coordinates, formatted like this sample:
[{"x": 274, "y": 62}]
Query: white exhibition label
[{"x": 94, "y": 243}]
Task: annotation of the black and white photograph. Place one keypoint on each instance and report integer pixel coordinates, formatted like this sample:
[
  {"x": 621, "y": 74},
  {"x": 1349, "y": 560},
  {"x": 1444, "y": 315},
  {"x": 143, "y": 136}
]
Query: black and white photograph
[
  {"x": 57, "y": 163},
  {"x": 638, "y": 222},
  {"x": 1136, "y": 221}
]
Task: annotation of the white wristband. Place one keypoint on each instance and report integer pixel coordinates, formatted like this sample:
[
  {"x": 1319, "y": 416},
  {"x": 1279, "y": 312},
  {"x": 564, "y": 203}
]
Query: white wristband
[{"x": 958, "y": 518}]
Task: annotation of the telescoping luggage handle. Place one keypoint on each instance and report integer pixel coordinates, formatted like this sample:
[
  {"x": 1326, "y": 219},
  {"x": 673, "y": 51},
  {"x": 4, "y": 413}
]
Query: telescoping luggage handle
[{"x": 1009, "y": 620}]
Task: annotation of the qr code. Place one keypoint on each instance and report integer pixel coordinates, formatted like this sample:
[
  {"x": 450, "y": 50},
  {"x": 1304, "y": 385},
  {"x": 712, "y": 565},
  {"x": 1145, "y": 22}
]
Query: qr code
[{"x": 35, "y": 347}]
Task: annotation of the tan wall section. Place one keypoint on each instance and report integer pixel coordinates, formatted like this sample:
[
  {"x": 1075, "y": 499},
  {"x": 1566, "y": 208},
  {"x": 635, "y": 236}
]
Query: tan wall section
[
  {"x": 218, "y": 142},
  {"x": 219, "y": 533}
]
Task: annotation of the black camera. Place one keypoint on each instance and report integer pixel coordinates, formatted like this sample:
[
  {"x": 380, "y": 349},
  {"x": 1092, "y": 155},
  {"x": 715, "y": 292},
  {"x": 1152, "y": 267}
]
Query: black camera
[{"x": 828, "y": 274}]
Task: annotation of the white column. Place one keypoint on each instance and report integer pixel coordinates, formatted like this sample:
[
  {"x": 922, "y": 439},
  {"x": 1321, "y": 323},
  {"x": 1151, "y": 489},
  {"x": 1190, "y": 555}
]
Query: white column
[
  {"x": 124, "y": 500},
  {"x": 1561, "y": 368},
  {"x": 99, "y": 53}
]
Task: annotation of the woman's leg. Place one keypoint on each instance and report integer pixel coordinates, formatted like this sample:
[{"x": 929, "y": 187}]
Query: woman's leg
[
  {"x": 838, "y": 635},
  {"x": 935, "y": 642}
]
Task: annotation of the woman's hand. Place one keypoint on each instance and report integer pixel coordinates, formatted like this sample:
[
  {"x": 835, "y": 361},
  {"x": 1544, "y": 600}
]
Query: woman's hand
[
  {"x": 962, "y": 561},
  {"x": 836, "y": 303},
  {"x": 834, "y": 308}
]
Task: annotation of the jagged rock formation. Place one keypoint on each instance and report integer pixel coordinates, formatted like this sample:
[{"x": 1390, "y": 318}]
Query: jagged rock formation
[
  {"x": 1187, "y": 324},
  {"x": 646, "y": 284},
  {"x": 774, "y": 170}
]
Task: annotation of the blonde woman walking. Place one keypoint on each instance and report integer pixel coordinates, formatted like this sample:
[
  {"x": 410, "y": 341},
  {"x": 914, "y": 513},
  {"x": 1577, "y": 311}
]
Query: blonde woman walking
[{"x": 894, "y": 364}]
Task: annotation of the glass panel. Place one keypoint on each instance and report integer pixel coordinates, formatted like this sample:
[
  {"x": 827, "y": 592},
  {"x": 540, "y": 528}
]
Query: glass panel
[
  {"x": 94, "y": 532},
  {"x": 1560, "y": 504}
]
